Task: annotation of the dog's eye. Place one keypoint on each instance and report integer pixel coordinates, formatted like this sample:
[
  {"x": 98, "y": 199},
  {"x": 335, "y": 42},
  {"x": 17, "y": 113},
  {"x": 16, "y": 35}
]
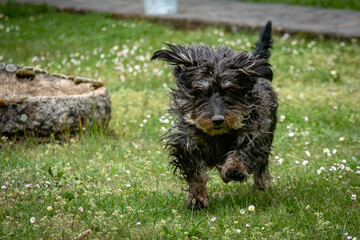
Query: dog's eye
[{"x": 199, "y": 91}]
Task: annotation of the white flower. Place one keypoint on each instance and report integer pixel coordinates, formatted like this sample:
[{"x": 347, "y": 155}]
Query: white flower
[
  {"x": 32, "y": 220},
  {"x": 291, "y": 134},
  {"x": 238, "y": 230},
  {"x": 341, "y": 139},
  {"x": 306, "y": 118},
  {"x": 318, "y": 171},
  {"x": 3, "y": 187},
  {"x": 242, "y": 211},
  {"x": 307, "y": 153},
  {"x": 282, "y": 118},
  {"x": 49, "y": 208},
  {"x": 81, "y": 209},
  {"x": 251, "y": 208},
  {"x": 305, "y": 162},
  {"x": 353, "y": 196}
]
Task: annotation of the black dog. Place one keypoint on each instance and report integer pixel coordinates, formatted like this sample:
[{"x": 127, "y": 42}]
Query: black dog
[{"x": 226, "y": 114}]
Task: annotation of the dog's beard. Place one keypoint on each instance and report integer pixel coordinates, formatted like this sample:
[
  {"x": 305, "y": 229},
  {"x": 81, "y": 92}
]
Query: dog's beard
[{"x": 232, "y": 121}]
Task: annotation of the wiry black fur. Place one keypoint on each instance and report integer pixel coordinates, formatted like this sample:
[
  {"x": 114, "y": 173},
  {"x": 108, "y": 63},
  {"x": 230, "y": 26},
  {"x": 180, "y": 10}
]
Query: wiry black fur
[{"x": 226, "y": 113}]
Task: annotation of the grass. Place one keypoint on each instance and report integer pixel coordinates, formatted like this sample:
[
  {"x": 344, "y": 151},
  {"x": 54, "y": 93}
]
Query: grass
[
  {"x": 120, "y": 185},
  {"x": 336, "y": 4}
]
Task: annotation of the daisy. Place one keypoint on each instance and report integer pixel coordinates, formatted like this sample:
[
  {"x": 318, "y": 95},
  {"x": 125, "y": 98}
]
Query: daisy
[
  {"x": 213, "y": 219},
  {"x": 318, "y": 171},
  {"x": 353, "y": 196},
  {"x": 235, "y": 222},
  {"x": 107, "y": 165},
  {"x": 242, "y": 211},
  {"x": 307, "y": 153},
  {"x": 21, "y": 193},
  {"x": 341, "y": 139},
  {"x": 32, "y": 220},
  {"x": 238, "y": 230},
  {"x": 81, "y": 209},
  {"x": 49, "y": 208},
  {"x": 251, "y": 208}
]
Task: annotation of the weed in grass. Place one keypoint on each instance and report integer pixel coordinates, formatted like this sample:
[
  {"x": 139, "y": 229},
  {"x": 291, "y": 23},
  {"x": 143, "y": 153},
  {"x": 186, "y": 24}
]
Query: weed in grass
[{"x": 120, "y": 185}]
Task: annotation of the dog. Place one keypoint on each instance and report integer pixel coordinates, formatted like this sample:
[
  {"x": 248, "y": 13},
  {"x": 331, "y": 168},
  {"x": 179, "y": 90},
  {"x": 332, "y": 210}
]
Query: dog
[{"x": 226, "y": 114}]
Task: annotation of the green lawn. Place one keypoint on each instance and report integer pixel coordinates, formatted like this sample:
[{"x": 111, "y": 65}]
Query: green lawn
[
  {"x": 337, "y": 4},
  {"x": 119, "y": 184}
]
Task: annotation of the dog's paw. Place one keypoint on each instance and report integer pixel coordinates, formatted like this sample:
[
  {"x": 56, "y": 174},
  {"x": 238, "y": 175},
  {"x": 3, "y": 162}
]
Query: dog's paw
[
  {"x": 234, "y": 174},
  {"x": 197, "y": 202}
]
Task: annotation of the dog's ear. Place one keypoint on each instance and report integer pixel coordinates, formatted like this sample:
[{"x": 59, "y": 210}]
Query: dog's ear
[
  {"x": 248, "y": 66},
  {"x": 176, "y": 55},
  {"x": 261, "y": 50}
]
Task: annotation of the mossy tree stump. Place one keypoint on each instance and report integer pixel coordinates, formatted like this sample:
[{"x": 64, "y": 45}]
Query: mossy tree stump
[{"x": 31, "y": 100}]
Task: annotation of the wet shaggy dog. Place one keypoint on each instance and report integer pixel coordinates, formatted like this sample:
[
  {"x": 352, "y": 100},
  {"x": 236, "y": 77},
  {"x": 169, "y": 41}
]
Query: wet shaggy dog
[{"x": 226, "y": 114}]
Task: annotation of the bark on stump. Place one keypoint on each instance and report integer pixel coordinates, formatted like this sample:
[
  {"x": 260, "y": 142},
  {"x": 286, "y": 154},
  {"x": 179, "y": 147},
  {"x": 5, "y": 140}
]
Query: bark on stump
[{"x": 33, "y": 101}]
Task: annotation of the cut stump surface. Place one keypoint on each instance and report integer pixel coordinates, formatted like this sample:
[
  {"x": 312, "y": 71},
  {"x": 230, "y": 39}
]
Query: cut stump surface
[{"x": 31, "y": 100}]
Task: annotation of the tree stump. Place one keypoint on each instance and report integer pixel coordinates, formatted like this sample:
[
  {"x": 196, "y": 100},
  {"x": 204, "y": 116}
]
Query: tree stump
[{"x": 31, "y": 100}]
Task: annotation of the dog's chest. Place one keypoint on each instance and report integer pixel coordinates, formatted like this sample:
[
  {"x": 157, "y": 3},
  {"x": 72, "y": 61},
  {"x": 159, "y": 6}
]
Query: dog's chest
[{"x": 215, "y": 149}]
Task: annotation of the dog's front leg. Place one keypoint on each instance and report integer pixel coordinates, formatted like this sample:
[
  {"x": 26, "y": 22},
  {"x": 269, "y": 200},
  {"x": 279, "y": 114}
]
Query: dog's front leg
[
  {"x": 197, "y": 196},
  {"x": 233, "y": 169}
]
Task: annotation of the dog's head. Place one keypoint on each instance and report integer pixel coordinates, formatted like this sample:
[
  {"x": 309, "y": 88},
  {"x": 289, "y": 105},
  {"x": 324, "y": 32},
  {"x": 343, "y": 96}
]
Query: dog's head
[{"x": 213, "y": 86}]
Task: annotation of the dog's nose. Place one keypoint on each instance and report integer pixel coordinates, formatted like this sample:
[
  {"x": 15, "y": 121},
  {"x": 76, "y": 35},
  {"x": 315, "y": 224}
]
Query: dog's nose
[{"x": 217, "y": 120}]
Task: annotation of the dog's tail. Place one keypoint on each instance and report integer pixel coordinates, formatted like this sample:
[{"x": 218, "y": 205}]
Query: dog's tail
[{"x": 261, "y": 50}]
